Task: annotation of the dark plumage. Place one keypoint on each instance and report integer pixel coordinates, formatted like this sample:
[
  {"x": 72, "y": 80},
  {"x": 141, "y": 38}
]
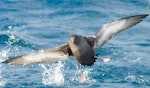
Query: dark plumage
[{"x": 82, "y": 48}]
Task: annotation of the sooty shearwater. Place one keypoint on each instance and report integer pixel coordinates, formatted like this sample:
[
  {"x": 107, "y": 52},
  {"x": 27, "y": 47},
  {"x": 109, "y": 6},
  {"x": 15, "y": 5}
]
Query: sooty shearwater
[{"x": 81, "y": 47}]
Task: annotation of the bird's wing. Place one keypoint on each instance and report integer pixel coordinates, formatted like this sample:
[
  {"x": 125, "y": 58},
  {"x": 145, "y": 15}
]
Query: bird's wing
[
  {"x": 109, "y": 30},
  {"x": 49, "y": 55}
]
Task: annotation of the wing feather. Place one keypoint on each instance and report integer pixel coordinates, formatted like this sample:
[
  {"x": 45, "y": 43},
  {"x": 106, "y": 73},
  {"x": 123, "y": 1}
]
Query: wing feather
[
  {"x": 42, "y": 56},
  {"x": 109, "y": 30}
]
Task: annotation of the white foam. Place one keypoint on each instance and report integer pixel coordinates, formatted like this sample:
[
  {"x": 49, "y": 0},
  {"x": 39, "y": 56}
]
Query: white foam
[
  {"x": 2, "y": 79},
  {"x": 87, "y": 72},
  {"x": 52, "y": 74},
  {"x": 3, "y": 55}
]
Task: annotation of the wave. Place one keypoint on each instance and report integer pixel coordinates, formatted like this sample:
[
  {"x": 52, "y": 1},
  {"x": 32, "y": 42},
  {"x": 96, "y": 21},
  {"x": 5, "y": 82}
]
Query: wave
[{"x": 140, "y": 79}]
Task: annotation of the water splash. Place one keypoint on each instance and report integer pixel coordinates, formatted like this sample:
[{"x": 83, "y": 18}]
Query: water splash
[
  {"x": 11, "y": 34},
  {"x": 87, "y": 72},
  {"x": 52, "y": 74},
  {"x": 2, "y": 79},
  {"x": 3, "y": 54}
]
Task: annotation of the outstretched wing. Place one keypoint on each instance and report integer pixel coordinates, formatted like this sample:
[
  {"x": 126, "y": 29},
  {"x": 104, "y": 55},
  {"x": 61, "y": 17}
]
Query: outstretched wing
[
  {"x": 111, "y": 29},
  {"x": 49, "y": 55}
]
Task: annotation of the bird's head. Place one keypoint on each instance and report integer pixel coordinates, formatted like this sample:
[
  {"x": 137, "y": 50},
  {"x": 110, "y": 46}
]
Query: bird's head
[{"x": 75, "y": 39}]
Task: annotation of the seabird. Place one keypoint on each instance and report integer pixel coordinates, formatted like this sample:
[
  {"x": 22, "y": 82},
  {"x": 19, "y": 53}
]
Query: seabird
[{"x": 81, "y": 47}]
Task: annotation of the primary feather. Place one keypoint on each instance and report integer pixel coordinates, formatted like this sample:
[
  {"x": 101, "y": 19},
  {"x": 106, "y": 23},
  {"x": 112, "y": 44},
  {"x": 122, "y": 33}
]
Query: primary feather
[
  {"x": 109, "y": 30},
  {"x": 49, "y": 55}
]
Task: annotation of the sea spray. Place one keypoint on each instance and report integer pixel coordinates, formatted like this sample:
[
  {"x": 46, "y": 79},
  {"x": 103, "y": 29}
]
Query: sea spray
[
  {"x": 2, "y": 79},
  {"x": 3, "y": 54},
  {"x": 87, "y": 71},
  {"x": 52, "y": 74},
  {"x": 6, "y": 51}
]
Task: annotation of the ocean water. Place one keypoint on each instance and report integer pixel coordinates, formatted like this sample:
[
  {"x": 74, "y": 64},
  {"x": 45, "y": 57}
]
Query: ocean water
[{"x": 30, "y": 25}]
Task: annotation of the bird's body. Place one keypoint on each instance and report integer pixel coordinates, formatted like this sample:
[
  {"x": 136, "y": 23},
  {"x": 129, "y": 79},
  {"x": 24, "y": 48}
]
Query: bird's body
[{"x": 82, "y": 48}]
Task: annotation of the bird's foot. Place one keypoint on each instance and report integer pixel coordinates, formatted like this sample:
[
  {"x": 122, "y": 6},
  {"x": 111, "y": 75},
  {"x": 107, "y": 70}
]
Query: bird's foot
[{"x": 82, "y": 76}]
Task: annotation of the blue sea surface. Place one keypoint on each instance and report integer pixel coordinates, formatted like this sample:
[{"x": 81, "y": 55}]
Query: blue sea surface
[{"x": 31, "y": 25}]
